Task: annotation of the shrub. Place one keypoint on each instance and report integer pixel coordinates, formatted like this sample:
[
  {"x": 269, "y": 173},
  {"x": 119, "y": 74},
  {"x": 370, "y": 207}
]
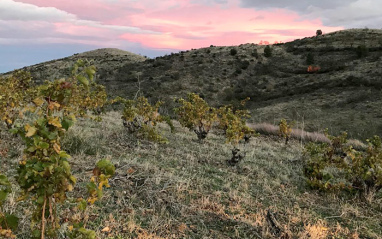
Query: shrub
[
  {"x": 267, "y": 51},
  {"x": 196, "y": 115},
  {"x": 140, "y": 119},
  {"x": 310, "y": 59},
  {"x": 244, "y": 64},
  {"x": 8, "y": 222},
  {"x": 356, "y": 171},
  {"x": 255, "y": 53},
  {"x": 44, "y": 172},
  {"x": 318, "y": 32},
  {"x": 313, "y": 69},
  {"x": 233, "y": 123},
  {"x": 15, "y": 92},
  {"x": 103, "y": 170},
  {"x": 362, "y": 51},
  {"x": 285, "y": 130},
  {"x": 233, "y": 52}
]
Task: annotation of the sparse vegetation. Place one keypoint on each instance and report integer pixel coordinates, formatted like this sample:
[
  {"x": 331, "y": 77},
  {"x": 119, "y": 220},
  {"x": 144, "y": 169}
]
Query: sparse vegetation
[
  {"x": 334, "y": 53},
  {"x": 270, "y": 194}
]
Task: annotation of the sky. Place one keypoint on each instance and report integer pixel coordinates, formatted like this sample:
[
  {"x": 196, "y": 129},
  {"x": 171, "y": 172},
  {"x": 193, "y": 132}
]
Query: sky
[{"x": 33, "y": 31}]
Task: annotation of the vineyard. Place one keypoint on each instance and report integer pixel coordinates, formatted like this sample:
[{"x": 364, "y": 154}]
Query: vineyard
[{"x": 71, "y": 167}]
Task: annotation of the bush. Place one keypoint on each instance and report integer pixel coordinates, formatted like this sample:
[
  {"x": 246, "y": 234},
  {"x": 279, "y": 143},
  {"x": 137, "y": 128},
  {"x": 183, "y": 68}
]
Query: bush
[
  {"x": 140, "y": 119},
  {"x": 244, "y": 64},
  {"x": 233, "y": 52},
  {"x": 285, "y": 130},
  {"x": 44, "y": 173},
  {"x": 255, "y": 54},
  {"x": 233, "y": 123},
  {"x": 310, "y": 59},
  {"x": 8, "y": 222},
  {"x": 362, "y": 51},
  {"x": 267, "y": 51},
  {"x": 196, "y": 115},
  {"x": 355, "y": 171},
  {"x": 15, "y": 92}
]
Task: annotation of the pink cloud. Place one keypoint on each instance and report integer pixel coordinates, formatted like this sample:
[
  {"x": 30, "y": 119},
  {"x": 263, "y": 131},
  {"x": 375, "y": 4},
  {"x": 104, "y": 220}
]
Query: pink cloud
[{"x": 179, "y": 24}]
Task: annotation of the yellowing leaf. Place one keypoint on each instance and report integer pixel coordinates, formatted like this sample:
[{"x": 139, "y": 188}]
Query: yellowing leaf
[
  {"x": 30, "y": 131},
  {"x": 57, "y": 148},
  {"x": 38, "y": 101},
  {"x": 106, "y": 229},
  {"x": 53, "y": 105},
  {"x": 92, "y": 200},
  {"x": 55, "y": 122}
]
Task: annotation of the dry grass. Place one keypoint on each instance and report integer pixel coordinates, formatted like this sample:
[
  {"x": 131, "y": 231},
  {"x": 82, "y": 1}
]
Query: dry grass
[
  {"x": 269, "y": 129},
  {"x": 302, "y": 136},
  {"x": 187, "y": 190}
]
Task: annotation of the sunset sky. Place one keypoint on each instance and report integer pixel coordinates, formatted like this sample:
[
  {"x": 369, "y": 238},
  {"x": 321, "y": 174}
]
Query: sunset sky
[{"x": 32, "y": 31}]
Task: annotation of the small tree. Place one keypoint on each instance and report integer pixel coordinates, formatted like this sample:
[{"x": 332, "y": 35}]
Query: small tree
[
  {"x": 285, "y": 130},
  {"x": 267, "y": 51},
  {"x": 196, "y": 115},
  {"x": 318, "y": 32}
]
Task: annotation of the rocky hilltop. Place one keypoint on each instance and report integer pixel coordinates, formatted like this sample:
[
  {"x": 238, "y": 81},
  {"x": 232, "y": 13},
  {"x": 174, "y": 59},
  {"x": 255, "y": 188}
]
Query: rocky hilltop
[{"x": 329, "y": 81}]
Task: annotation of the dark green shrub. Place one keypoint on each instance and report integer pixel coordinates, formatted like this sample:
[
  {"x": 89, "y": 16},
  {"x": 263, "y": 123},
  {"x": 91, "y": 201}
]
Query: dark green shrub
[
  {"x": 244, "y": 64},
  {"x": 267, "y": 51},
  {"x": 362, "y": 51},
  {"x": 254, "y": 53},
  {"x": 310, "y": 59},
  {"x": 233, "y": 52}
]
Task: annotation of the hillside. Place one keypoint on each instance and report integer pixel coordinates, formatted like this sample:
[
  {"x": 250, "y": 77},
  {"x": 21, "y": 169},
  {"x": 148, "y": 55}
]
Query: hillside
[
  {"x": 345, "y": 94},
  {"x": 107, "y": 59},
  {"x": 186, "y": 189}
]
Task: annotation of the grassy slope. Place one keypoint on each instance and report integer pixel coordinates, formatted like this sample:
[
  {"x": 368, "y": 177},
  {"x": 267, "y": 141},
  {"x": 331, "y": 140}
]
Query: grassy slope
[
  {"x": 186, "y": 190},
  {"x": 344, "y": 95}
]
